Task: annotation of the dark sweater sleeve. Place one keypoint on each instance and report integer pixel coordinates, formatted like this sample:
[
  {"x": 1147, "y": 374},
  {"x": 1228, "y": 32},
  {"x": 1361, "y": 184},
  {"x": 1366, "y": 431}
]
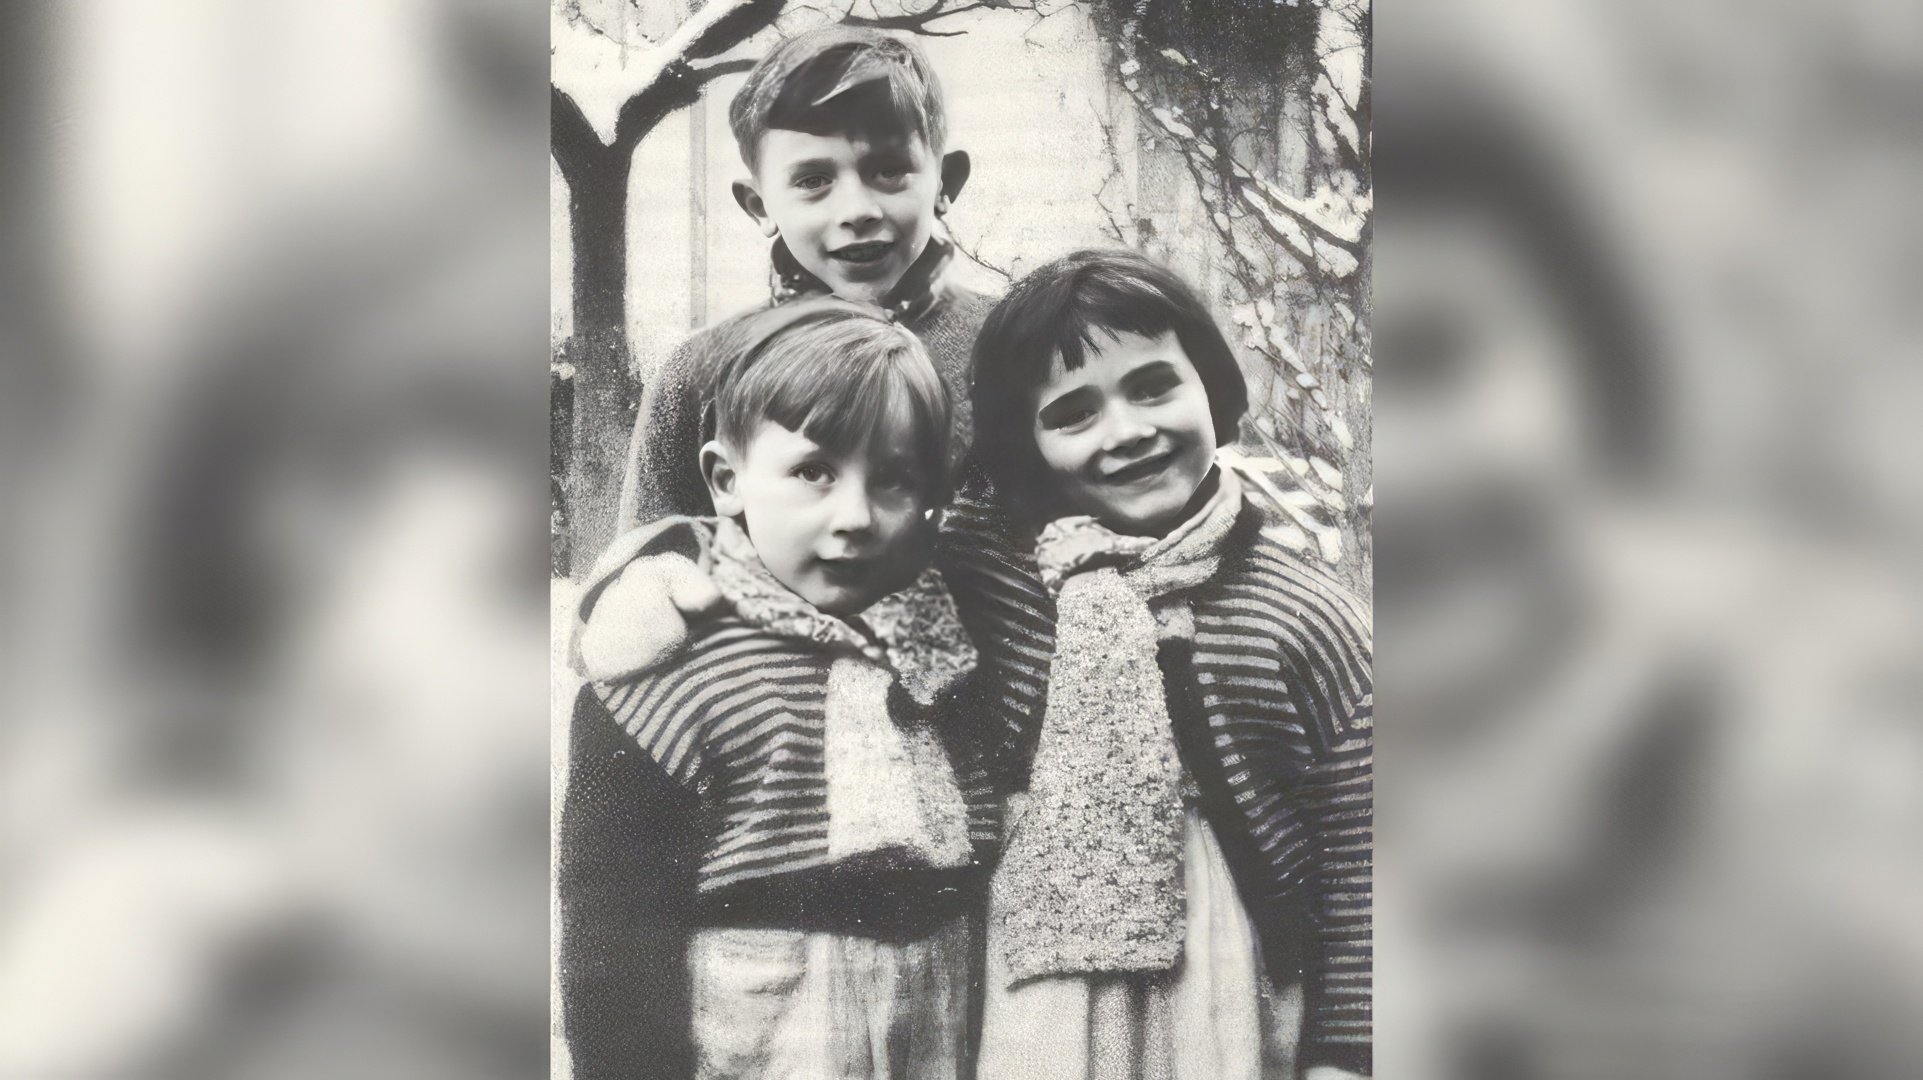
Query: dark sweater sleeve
[
  {"x": 1290, "y": 796},
  {"x": 625, "y": 877},
  {"x": 1011, "y": 620},
  {"x": 1339, "y": 798},
  {"x": 664, "y": 467}
]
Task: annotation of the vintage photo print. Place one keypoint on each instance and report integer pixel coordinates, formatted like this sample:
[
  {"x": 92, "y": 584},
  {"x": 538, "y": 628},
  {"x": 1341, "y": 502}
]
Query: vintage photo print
[{"x": 960, "y": 505}]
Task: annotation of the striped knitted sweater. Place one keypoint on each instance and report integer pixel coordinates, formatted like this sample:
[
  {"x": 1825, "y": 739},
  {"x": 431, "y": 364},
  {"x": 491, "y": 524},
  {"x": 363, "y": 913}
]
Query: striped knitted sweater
[
  {"x": 810, "y": 740},
  {"x": 743, "y": 720},
  {"x": 775, "y": 772},
  {"x": 1273, "y": 708}
]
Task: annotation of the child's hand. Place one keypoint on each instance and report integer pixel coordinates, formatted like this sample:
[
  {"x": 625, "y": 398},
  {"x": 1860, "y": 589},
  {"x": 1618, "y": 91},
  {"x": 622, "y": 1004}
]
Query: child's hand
[{"x": 642, "y": 617}]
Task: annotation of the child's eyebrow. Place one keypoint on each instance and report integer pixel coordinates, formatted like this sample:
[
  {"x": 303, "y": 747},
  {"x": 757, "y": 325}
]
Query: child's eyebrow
[
  {"x": 1154, "y": 369},
  {"x": 898, "y": 148},
  {"x": 810, "y": 165}
]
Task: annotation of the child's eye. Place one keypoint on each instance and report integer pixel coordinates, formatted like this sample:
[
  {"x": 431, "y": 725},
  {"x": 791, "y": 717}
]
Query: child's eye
[
  {"x": 1068, "y": 419},
  {"x": 1156, "y": 388},
  {"x": 812, "y": 182},
  {"x": 814, "y": 472},
  {"x": 897, "y": 480}
]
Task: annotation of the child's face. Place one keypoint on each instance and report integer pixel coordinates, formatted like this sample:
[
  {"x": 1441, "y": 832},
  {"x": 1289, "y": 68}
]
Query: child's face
[
  {"x": 855, "y": 209},
  {"x": 839, "y": 530},
  {"x": 1127, "y": 437}
]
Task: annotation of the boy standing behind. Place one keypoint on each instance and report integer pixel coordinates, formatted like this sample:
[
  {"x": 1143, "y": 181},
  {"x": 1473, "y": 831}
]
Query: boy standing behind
[{"x": 843, "y": 133}]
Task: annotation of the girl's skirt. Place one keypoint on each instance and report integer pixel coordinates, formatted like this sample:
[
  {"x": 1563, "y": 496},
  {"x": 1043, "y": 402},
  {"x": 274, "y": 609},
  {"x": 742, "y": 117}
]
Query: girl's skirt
[
  {"x": 1213, "y": 1017},
  {"x": 806, "y": 1005}
]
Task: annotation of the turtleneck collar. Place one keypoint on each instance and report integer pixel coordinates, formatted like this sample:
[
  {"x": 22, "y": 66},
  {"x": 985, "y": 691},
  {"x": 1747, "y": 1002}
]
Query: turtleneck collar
[{"x": 921, "y": 290}]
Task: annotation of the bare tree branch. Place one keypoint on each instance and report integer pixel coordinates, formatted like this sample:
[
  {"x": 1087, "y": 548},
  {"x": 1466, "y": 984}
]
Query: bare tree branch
[
  {"x": 974, "y": 253},
  {"x": 570, "y": 134},
  {"x": 715, "y": 69},
  {"x": 720, "y": 26},
  {"x": 1236, "y": 176},
  {"x": 1116, "y": 228},
  {"x": 918, "y": 22}
]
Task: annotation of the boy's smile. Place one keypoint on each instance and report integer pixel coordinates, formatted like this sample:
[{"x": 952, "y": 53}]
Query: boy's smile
[{"x": 856, "y": 209}]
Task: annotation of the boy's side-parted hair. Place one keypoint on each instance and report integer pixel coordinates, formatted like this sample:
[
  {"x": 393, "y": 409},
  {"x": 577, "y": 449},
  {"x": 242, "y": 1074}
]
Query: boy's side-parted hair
[
  {"x": 1065, "y": 308},
  {"x": 842, "y": 375},
  {"x": 836, "y": 78}
]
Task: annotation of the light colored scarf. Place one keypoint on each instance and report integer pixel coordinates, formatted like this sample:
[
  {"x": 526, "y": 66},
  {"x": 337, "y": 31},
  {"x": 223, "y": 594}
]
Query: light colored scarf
[
  {"x": 891, "y": 785},
  {"x": 1091, "y": 878},
  {"x": 917, "y": 634}
]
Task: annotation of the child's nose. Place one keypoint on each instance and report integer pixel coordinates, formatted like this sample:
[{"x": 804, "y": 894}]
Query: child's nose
[
  {"x": 852, "y": 512},
  {"x": 1127, "y": 429},
  {"x": 858, "y": 206}
]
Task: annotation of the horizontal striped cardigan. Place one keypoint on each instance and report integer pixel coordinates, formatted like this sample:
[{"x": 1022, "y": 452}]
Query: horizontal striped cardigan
[
  {"x": 740, "y": 719},
  {"x": 697, "y": 795},
  {"x": 1273, "y": 706}
]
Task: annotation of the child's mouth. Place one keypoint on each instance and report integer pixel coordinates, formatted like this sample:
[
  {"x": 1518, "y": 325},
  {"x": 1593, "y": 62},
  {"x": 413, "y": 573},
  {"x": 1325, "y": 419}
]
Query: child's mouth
[
  {"x": 1140, "y": 470},
  {"x": 846, "y": 571},
  {"x": 863, "y": 254}
]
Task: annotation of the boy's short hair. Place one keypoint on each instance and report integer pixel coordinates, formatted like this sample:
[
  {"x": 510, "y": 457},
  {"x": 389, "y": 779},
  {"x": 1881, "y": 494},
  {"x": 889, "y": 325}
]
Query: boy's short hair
[
  {"x": 840, "y": 374},
  {"x": 828, "y": 80},
  {"x": 1060, "y": 309}
]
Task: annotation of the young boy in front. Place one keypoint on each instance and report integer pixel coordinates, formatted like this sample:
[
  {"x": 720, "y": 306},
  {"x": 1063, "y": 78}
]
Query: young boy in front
[
  {"x": 843, "y": 133},
  {"x": 772, "y": 840}
]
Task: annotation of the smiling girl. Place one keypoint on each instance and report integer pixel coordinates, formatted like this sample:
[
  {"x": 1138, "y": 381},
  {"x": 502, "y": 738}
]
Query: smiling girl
[{"x": 1185, "y": 887}]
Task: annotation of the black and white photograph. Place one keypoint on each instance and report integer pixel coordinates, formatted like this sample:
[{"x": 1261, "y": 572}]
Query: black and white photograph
[{"x": 961, "y": 497}]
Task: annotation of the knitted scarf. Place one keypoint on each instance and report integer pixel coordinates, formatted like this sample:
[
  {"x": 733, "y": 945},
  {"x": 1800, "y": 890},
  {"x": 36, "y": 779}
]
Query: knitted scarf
[
  {"x": 891, "y": 784},
  {"x": 1091, "y": 878},
  {"x": 914, "y": 632}
]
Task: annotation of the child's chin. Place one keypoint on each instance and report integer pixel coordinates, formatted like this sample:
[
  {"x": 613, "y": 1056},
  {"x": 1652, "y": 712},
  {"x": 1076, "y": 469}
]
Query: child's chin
[
  {"x": 865, "y": 291},
  {"x": 839, "y": 601},
  {"x": 866, "y": 282},
  {"x": 1146, "y": 518}
]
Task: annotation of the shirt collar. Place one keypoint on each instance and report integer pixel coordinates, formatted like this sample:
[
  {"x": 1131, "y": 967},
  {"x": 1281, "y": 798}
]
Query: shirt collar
[{"x": 919, "y": 292}]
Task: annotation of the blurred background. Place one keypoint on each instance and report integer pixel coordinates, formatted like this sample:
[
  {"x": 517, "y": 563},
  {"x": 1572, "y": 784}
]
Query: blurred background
[
  {"x": 273, "y": 783},
  {"x": 274, "y": 572},
  {"x": 1650, "y": 769}
]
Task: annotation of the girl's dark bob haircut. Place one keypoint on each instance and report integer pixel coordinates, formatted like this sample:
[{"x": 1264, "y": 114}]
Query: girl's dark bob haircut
[
  {"x": 1067, "y": 308},
  {"x": 841, "y": 374}
]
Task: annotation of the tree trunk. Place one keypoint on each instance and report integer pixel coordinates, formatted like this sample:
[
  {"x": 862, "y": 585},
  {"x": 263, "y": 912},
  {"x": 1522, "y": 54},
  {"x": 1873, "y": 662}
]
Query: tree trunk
[
  {"x": 597, "y": 207},
  {"x": 604, "y": 390}
]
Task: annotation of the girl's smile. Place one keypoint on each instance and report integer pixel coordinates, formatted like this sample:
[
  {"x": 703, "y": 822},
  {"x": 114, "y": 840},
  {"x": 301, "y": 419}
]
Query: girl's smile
[
  {"x": 1135, "y": 472},
  {"x": 1127, "y": 436}
]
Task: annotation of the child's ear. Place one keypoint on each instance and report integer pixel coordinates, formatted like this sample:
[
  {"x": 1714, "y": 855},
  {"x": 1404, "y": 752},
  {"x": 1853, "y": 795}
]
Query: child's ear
[
  {"x": 749, "y": 200},
  {"x": 717, "y": 468},
  {"x": 954, "y": 176}
]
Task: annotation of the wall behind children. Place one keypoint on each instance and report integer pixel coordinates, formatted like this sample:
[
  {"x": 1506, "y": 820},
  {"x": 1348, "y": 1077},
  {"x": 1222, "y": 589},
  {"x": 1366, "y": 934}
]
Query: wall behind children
[{"x": 1240, "y": 158}]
